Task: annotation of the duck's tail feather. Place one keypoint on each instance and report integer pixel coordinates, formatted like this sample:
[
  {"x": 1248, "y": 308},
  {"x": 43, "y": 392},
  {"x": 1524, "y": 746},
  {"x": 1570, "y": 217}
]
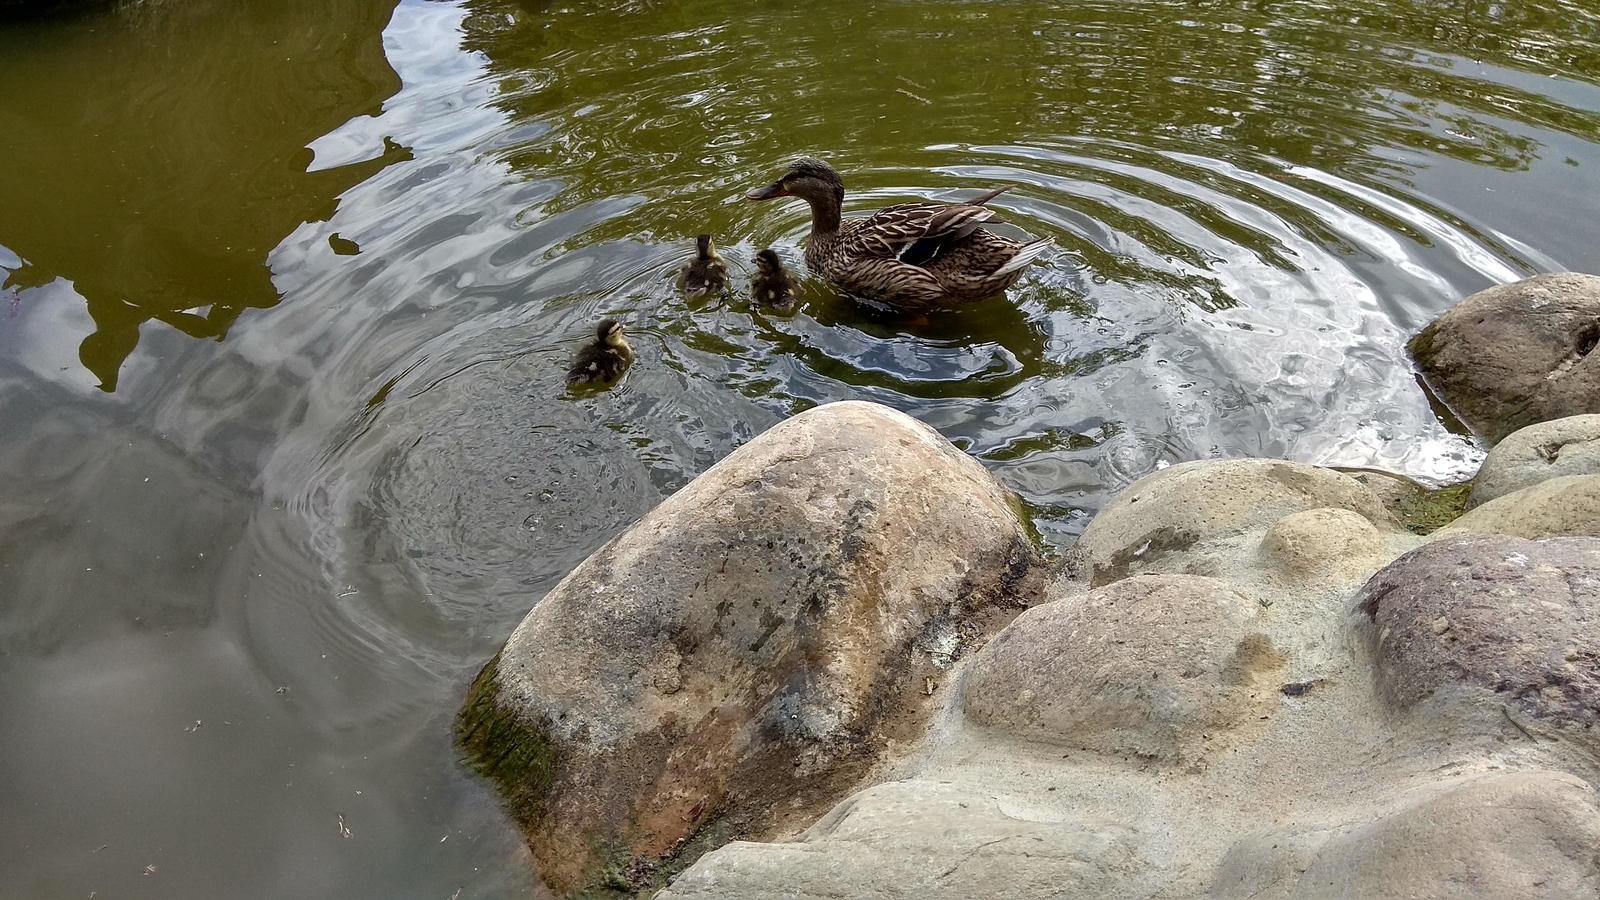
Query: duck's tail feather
[{"x": 1025, "y": 256}]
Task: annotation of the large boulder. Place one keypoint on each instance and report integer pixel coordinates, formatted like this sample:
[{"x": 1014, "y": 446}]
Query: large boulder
[
  {"x": 1539, "y": 452},
  {"x": 1252, "y": 722},
  {"x": 736, "y": 661},
  {"x": 1509, "y": 624},
  {"x": 1516, "y": 354}
]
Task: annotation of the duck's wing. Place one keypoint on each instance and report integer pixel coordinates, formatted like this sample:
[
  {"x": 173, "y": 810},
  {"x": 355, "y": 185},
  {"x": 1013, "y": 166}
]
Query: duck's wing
[{"x": 915, "y": 233}]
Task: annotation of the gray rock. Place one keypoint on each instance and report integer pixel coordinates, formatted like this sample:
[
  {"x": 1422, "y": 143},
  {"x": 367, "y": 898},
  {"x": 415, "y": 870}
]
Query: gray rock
[
  {"x": 927, "y": 841},
  {"x": 1517, "y": 619},
  {"x": 1552, "y": 508},
  {"x": 1516, "y": 354},
  {"x": 1324, "y": 542},
  {"x": 1147, "y": 527},
  {"x": 1554, "y": 449},
  {"x": 1155, "y": 666},
  {"x": 746, "y": 652},
  {"x": 1509, "y": 836}
]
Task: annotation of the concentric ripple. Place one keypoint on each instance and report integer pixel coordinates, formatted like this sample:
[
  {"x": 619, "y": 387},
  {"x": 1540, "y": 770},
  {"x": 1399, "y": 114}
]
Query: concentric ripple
[{"x": 1253, "y": 210}]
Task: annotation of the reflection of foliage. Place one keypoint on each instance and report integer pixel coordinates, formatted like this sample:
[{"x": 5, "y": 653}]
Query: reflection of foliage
[
  {"x": 159, "y": 189},
  {"x": 641, "y": 88},
  {"x": 684, "y": 106}
]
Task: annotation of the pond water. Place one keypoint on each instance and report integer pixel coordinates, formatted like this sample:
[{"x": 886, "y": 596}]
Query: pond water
[{"x": 290, "y": 287}]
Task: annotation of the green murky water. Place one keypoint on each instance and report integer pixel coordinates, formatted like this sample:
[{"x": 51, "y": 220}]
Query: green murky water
[{"x": 289, "y": 287}]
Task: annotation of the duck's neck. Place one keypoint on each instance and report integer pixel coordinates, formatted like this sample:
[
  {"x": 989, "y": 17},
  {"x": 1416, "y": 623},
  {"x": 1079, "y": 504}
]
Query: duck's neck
[{"x": 825, "y": 208}]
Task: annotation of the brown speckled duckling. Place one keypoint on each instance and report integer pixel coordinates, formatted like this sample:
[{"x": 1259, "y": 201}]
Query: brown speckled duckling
[
  {"x": 603, "y": 359},
  {"x": 913, "y": 257},
  {"x": 707, "y": 274},
  {"x": 772, "y": 285}
]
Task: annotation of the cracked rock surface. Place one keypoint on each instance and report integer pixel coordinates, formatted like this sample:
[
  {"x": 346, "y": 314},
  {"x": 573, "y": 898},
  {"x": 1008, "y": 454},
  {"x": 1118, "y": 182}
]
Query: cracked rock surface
[{"x": 1261, "y": 687}]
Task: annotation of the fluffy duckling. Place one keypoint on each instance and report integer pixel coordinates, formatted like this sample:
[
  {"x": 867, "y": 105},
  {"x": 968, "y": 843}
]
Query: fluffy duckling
[
  {"x": 707, "y": 274},
  {"x": 772, "y": 285},
  {"x": 603, "y": 359}
]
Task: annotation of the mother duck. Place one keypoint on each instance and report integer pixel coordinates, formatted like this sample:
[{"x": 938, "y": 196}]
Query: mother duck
[{"x": 913, "y": 257}]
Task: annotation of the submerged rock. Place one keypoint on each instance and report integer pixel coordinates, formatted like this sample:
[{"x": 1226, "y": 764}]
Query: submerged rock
[
  {"x": 1516, "y": 354},
  {"x": 738, "y": 659}
]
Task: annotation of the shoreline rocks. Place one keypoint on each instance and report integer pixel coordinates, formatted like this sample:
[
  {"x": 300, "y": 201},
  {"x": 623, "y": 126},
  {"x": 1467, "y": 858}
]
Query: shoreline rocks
[
  {"x": 1250, "y": 679},
  {"x": 743, "y": 655}
]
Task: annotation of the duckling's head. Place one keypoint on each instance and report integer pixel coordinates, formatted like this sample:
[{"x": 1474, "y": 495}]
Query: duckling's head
[
  {"x": 704, "y": 247},
  {"x": 809, "y": 178},
  {"x": 610, "y": 332},
  {"x": 768, "y": 262}
]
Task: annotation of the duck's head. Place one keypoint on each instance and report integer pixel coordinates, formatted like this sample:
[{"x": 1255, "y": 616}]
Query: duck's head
[
  {"x": 769, "y": 264},
  {"x": 809, "y": 178},
  {"x": 704, "y": 247},
  {"x": 610, "y": 332}
]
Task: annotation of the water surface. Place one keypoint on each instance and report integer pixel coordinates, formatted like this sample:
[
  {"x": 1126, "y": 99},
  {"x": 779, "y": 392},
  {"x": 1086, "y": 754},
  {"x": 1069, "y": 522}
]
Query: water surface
[{"x": 290, "y": 287}]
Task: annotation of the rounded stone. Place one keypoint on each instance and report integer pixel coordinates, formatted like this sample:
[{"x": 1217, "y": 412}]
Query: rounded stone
[
  {"x": 1325, "y": 542},
  {"x": 1515, "y": 619},
  {"x": 760, "y": 637},
  {"x": 1508, "y": 836},
  {"x": 1145, "y": 528},
  {"x": 1551, "y": 508},
  {"x": 1539, "y": 452},
  {"x": 1516, "y": 354},
  {"x": 1154, "y": 666}
]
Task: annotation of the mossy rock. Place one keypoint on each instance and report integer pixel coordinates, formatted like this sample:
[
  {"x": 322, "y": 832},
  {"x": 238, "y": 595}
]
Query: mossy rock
[{"x": 501, "y": 746}]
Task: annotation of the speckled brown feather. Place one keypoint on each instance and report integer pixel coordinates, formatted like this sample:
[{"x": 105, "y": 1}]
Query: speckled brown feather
[{"x": 914, "y": 256}]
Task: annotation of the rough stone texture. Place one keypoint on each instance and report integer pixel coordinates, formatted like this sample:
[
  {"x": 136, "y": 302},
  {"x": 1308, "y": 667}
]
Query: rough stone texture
[
  {"x": 1517, "y": 618},
  {"x": 1560, "y": 506},
  {"x": 748, "y": 649},
  {"x": 1285, "y": 748},
  {"x": 1510, "y": 836},
  {"x": 879, "y": 845},
  {"x": 1154, "y": 666},
  {"x": 1516, "y": 354},
  {"x": 1539, "y": 452},
  {"x": 1333, "y": 542},
  {"x": 1169, "y": 511}
]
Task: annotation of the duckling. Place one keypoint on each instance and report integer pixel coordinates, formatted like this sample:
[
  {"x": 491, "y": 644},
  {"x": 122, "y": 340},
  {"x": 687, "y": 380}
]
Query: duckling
[
  {"x": 772, "y": 285},
  {"x": 707, "y": 274},
  {"x": 604, "y": 359}
]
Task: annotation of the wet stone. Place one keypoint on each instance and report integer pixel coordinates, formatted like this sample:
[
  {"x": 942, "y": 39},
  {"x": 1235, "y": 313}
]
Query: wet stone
[{"x": 1516, "y": 354}]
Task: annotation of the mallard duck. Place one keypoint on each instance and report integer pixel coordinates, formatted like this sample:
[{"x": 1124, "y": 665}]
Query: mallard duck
[
  {"x": 603, "y": 359},
  {"x": 913, "y": 257},
  {"x": 706, "y": 275},
  {"x": 772, "y": 285}
]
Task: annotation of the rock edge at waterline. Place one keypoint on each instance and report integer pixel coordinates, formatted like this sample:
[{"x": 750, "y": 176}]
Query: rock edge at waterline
[{"x": 747, "y": 653}]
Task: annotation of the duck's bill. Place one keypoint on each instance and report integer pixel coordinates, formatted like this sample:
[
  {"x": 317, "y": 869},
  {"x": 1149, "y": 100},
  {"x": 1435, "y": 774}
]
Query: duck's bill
[{"x": 772, "y": 190}]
